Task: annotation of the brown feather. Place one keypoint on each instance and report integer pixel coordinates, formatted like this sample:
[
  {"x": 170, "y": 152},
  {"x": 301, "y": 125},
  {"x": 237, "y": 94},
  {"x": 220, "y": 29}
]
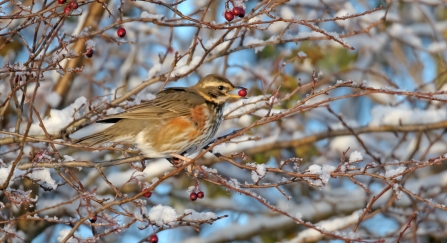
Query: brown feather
[
  {"x": 167, "y": 104},
  {"x": 93, "y": 139}
]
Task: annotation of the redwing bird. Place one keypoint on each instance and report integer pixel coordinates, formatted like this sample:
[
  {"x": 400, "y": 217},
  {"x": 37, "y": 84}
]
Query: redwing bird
[{"x": 177, "y": 120}]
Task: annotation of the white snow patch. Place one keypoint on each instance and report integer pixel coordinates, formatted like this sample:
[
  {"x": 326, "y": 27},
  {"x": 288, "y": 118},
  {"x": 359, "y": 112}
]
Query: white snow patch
[
  {"x": 155, "y": 70},
  {"x": 436, "y": 47},
  {"x": 145, "y": 14},
  {"x": 249, "y": 40},
  {"x": 397, "y": 192},
  {"x": 392, "y": 172},
  {"x": 330, "y": 225},
  {"x": 404, "y": 115},
  {"x": 261, "y": 169},
  {"x": 161, "y": 215},
  {"x": 4, "y": 172},
  {"x": 90, "y": 44},
  {"x": 233, "y": 183},
  {"x": 63, "y": 234},
  {"x": 323, "y": 172},
  {"x": 221, "y": 46},
  {"x": 183, "y": 68},
  {"x": 260, "y": 172},
  {"x": 68, "y": 158},
  {"x": 326, "y": 174},
  {"x": 405, "y": 34},
  {"x": 43, "y": 175},
  {"x": 315, "y": 169},
  {"x": 58, "y": 118},
  {"x": 355, "y": 156},
  {"x": 193, "y": 215},
  {"x": 239, "y": 3}
]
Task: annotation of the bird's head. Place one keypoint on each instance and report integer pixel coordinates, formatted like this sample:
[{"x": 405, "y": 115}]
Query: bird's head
[{"x": 216, "y": 88}]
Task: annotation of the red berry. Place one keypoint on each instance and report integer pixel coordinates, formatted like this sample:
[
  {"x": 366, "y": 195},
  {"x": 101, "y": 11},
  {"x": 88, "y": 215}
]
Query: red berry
[
  {"x": 242, "y": 92},
  {"x": 200, "y": 194},
  {"x": 93, "y": 219},
  {"x": 89, "y": 53},
  {"x": 121, "y": 32},
  {"x": 193, "y": 196},
  {"x": 62, "y": 1},
  {"x": 239, "y": 11},
  {"x": 73, "y": 5},
  {"x": 229, "y": 15},
  {"x": 153, "y": 239},
  {"x": 67, "y": 10},
  {"x": 242, "y": 14},
  {"x": 148, "y": 194}
]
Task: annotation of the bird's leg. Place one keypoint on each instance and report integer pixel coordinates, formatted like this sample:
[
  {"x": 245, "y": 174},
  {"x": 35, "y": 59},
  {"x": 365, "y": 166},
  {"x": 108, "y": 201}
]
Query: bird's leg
[
  {"x": 177, "y": 159},
  {"x": 177, "y": 162}
]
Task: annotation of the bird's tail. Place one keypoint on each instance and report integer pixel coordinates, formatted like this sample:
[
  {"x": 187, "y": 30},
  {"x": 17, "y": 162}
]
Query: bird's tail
[{"x": 94, "y": 139}]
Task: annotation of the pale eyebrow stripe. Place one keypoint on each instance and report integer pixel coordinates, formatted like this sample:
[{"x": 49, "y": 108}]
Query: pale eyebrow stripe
[{"x": 212, "y": 85}]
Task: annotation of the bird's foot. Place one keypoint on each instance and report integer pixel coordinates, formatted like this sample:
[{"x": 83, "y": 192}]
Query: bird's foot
[{"x": 176, "y": 162}]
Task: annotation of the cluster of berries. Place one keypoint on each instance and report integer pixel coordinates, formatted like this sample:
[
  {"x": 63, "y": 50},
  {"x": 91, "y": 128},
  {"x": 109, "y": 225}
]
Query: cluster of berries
[
  {"x": 236, "y": 11},
  {"x": 193, "y": 196},
  {"x": 71, "y": 6}
]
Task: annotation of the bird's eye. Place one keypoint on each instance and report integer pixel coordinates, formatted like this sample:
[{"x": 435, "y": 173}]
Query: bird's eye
[{"x": 220, "y": 87}]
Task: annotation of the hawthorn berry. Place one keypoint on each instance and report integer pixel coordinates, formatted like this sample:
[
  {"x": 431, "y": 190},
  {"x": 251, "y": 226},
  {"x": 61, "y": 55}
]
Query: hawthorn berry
[
  {"x": 93, "y": 219},
  {"x": 67, "y": 10},
  {"x": 242, "y": 92},
  {"x": 200, "y": 194},
  {"x": 228, "y": 15},
  {"x": 242, "y": 14},
  {"x": 61, "y": 1},
  {"x": 148, "y": 194},
  {"x": 121, "y": 32},
  {"x": 89, "y": 53},
  {"x": 73, "y": 5},
  {"x": 193, "y": 196},
  {"x": 153, "y": 239},
  {"x": 239, "y": 11}
]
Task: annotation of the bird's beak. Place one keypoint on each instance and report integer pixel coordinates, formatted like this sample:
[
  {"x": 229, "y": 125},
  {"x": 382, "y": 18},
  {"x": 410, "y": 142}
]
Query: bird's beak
[{"x": 237, "y": 96}]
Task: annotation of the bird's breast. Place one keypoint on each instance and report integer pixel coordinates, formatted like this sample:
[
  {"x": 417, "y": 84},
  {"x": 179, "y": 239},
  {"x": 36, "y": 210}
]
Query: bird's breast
[
  {"x": 216, "y": 112},
  {"x": 183, "y": 133}
]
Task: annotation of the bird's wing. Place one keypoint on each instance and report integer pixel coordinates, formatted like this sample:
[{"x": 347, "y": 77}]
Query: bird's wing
[{"x": 169, "y": 103}]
